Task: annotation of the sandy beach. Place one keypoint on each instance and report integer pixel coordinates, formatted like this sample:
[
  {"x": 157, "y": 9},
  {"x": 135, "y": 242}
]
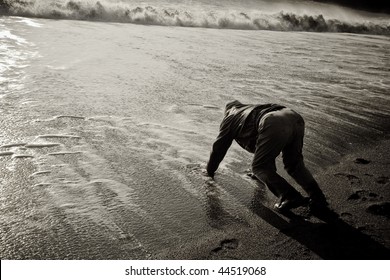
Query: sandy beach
[
  {"x": 357, "y": 194},
  {"x": 106, "y": 127}
]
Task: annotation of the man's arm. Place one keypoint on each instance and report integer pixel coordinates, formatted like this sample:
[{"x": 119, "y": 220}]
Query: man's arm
[{"x": 220, "y": 147}]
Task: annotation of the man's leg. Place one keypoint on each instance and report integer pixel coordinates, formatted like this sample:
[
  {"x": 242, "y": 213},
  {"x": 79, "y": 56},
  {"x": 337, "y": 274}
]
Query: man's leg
[
  {"x": 305, "y": 179},
  {"x": 294, "y": 164},
  {"x": 272, "y": 137}
]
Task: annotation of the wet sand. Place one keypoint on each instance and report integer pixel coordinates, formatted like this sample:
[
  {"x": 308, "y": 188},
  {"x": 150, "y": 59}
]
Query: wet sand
[
  {"x": 52, "y": 212},
  {"x": 357, "y": 227}
]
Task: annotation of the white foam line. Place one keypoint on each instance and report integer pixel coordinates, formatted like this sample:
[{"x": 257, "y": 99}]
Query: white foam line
[
  {"x": 13, "y": 145},
  {"x": 70, "y": 116},
  {"x": 64, "y": 153},
  {"x": 164, "y": 127},
  {"x": 40, "y": 173},
  {"x": 209, "y": 106},
  {"x": 62, "y": 117},
  {"x": 8, "y": 35},
  {"x": 28, "y": 102},
  {"x": 42, "y": 145},
  {"x": 30, "y": 22},
  {"x": 22, "y": 156},
  {"x": 41, "y": 185},
  {"x": 58, "y": 136}
]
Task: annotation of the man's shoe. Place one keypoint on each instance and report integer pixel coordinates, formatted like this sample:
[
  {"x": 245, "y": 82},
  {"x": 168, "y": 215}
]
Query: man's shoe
[{"x": 288, "y": 204}]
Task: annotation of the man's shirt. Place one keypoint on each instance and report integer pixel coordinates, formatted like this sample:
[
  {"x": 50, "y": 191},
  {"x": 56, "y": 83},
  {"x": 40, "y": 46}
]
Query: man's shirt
[{"x": 240, "y": 123}]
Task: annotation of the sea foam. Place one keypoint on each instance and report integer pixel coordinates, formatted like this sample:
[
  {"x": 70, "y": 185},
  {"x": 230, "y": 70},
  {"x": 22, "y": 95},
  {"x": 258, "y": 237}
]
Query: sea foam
[{"x": 252, "y": 19}]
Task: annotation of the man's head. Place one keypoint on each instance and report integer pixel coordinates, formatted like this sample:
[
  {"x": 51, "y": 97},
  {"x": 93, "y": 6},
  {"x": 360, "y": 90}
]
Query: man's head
[{"x": 233, "y": 105}]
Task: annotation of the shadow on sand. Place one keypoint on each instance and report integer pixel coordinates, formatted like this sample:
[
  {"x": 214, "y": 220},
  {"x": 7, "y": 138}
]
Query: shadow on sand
[{"x": 333, "y": 240}]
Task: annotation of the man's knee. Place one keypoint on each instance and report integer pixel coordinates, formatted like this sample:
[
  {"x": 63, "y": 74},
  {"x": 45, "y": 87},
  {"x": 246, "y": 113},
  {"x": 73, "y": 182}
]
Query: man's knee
[
  {"x": 263, "y": 174},
  {"x": 294, "y": 166},
  {"x": 291, "y": 168}
]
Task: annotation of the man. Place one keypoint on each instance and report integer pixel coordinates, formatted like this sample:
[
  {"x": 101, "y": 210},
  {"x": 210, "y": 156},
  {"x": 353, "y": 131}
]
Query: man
[{"x": 267, "y": 130}]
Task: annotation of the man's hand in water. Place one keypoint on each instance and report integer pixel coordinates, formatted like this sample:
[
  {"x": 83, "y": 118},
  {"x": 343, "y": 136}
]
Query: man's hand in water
[
  {"x": 252, "y": 176},
  {"x": 205, "y": 173}
]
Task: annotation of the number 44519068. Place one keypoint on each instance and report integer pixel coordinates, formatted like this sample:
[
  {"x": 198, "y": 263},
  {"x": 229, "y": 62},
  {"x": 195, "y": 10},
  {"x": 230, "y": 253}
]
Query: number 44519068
[{"x": 232, "y": 270}]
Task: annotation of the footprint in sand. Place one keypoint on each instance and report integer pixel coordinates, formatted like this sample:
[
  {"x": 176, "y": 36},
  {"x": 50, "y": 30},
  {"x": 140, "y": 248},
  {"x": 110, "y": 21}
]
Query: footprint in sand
[
  {"x": 361, "y": 161},
  {"x": 380, "y": 209},
  {"x": 353, "y": 180},
  {"x": 363, "y": 195},
  {"x": 382, "y": 180},
  {"x": 226, "y": 245}
]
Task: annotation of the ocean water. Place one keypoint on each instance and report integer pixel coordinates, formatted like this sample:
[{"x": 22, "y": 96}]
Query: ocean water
[{"x": 109, "y": 110}]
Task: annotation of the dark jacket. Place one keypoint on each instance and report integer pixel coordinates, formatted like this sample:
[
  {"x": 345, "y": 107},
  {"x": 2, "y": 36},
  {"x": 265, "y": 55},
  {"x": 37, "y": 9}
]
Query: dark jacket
[{"x": 239, "y": 123}]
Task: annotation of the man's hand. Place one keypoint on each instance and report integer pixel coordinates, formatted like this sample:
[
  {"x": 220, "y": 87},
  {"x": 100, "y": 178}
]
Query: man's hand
[
  {"x": 252, "y": 176},
  {"x": 205, "y": 173}
]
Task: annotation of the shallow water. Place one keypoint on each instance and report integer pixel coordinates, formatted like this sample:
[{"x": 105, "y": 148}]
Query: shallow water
[{"x": 105, "y": 127}]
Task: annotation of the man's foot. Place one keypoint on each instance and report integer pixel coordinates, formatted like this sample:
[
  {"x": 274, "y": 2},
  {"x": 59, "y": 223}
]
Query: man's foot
[
  {"x": 287, "y": 204},
  {"x": 252, "y": 176}
]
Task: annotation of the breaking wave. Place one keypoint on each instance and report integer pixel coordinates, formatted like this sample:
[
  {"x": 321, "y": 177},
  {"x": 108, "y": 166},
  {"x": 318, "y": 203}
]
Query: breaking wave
[{"x": 123, "y": 12}]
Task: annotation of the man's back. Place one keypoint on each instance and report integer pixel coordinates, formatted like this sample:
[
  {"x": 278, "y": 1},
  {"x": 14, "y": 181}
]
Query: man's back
[{"x": 237, "y": 124}]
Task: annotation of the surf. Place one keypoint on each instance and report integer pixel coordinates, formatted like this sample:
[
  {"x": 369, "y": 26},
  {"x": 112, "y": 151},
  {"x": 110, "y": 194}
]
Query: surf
[{"x": 187, "y": 16}]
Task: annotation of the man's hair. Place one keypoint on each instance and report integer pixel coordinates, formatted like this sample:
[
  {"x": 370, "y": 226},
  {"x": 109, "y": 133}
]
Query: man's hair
[{"x": 233, "y": 104}]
